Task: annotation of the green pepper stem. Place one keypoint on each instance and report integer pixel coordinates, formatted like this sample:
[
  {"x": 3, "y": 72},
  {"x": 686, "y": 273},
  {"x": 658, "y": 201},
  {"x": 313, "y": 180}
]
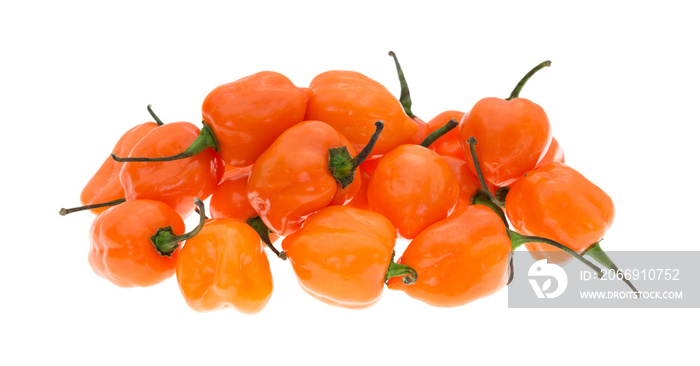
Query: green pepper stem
[
  {"x": 165, "y": 240},
  {"x": 405, "y": 97},
  {"x": 599, "y": 255},
  {"x": 357, "y": 160},
  {"x": 66, "y": 211},
  {"x": 206, "y": 139},
  {"x": 516, "y": 92},
  {"x": 153, "y": 114},
  {"x": 511, "y": 269},
  {"x": 408, "y": 274},
  {"x": 519, "y": 239},
  {"x": 481, "y": 198},
  {"x": 343, "y": 166},
  {"x": 479, "y": 174},
  {"x": 259, "y": 226},
  {"x": 196, "y": 209},
  {"x": 447, "y": 127}
]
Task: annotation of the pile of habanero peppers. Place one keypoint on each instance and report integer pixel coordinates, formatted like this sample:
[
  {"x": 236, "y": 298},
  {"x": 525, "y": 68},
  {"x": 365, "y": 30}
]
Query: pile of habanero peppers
[{"x": 337, "y": 171}]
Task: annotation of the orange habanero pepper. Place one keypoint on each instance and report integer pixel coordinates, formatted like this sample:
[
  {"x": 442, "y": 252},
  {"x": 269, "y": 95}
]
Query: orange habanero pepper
[
  {"x": 514, "y": 134},
  {"x": 247, "y": 115},
  {"x": 225, "y": 266},
  {"x": 104, "y": 188},
  {"x": 137, "y": 242},
  {"x": 557, "y": 202},
  {"x": 343, "y": 256},
  {"x": 173, "y": 179},
  {"x": 351, "y": 102},
  {"x": 459, "y": 259},
  {"x": 463, "y": 258},
  {"x": 306, "y": 169},
  {"x": 413, "y": 186}
]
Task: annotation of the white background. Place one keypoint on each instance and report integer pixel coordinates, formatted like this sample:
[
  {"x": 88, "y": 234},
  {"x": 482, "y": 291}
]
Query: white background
[{"x": 622, "y": 97}]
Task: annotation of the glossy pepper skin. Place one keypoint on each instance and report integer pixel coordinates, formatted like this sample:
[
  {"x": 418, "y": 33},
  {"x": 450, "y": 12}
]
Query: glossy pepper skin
[
  {"x": 370, "y": 165},
  {"x": 513, "y": 135},
  {"x": 173, "y": 182},
  {"x": 120, "y": 247},
  {"x": 105, "y": 186},
  {"x": 449, "y": 144},
  {"x": 351, "y": 103},
  {"x": 413, "y": 187},
  {"x": 291, "y": 180},
  {"x": 248, "y": 114},
  {"x": 557, "y": 202},
  {"x": 468, "y": 182},
  {"x": 341, "y": 255},
  {"x": 230, "y": 200},
  {"x": 360, "y": 199},
  {"x": 224, "y": 266},
  {"x": 458, "y": 260},
  {"x": 554, "y": 153},
  {"x": 421, "y": 133},
  {"x": 230, "y": 170}
]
